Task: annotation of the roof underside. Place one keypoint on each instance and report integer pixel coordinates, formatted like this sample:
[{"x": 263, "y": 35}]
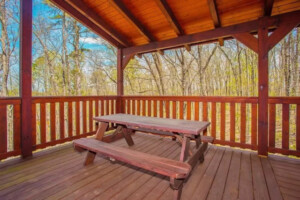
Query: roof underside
[{"x": 128, "y": 23}]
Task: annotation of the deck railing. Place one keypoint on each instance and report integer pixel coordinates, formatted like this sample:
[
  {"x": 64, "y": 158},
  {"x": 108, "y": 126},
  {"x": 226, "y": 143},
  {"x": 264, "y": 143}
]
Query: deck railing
[{"x": 234, "y": 120}]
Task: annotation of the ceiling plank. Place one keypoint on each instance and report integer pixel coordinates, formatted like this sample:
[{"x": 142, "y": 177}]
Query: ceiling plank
[
  {"x": 95, "y": 18},
  {"x": 85, "y": 21},
  {"x": 168, "y": 13},
  {"x": 214, "y": 34},
  {"x": 119, "y": 5},
  {"x": 268, "y": 6},
  {"x": 214, "y": 12}
]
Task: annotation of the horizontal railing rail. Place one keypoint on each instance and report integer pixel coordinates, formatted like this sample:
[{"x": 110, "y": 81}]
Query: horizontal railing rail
[{"x": 234, "y": 120}]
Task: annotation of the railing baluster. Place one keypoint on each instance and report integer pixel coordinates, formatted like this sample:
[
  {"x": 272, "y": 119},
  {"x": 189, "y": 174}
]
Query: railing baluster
[
  {"x": 243, "y": 123},
  {"x": 102, "y": 107},
  {"x": 272, "y": 124},
  {"x": 161, "y": 108},
  {"x": 213, "y": 119},
  {"x": 52, "y": 121},
  {"x": 17, "y": 128},
  {"x": 174, "y": 109},
  {"x": 155, "y": 108},
  {"x": 3, "y": 128},
  {"x": 232, "y": 122},
  {"x": 298, "y": 128},
  {"x": 167, "y": 109},
  {"x": 149, "y": 108},
  {"x": 107, "y": 107},
  {"x": 62, "y": 119},
  {"x": 133, "y": 107},
  {"x": 188, "y": 112},
  {"x": 254, "y": 124},
  {"x": 223, "y": 119},
  {"x": 91, "y": 116},
  {"x": 285, "y": 126},
  {"x": 77, "y": 109},
  {"x": 197, "y": 110},
  {"x": 84, "y": 116},
  {"x": 144, "y": 108},
  {"x": 138, "y": 107},
  {"x": 43, "y": 122},
  {"x": 33, "y": 124},
  {"x": 181, "y": 114}
]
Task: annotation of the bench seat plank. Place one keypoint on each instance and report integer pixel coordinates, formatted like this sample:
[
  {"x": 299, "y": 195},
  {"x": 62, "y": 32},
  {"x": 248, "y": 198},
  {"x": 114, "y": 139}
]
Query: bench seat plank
[{"x": 164, "y": 166}]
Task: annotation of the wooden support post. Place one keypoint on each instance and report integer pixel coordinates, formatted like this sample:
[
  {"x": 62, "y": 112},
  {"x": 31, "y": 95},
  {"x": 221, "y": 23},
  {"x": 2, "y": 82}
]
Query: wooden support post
[
  {"x": 120, "y": 82},
  {"x": 25, "y": 76},
  {"x": 263, "y": 91}
]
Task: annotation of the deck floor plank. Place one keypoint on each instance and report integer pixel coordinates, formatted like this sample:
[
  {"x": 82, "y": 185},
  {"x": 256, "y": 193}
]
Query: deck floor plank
[{"x": 225, "y": 174}]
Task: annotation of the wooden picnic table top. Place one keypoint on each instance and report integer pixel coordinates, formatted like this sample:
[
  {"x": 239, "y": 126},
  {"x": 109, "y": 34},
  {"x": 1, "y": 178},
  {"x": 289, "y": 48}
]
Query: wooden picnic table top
[{"x": 170, "y": 125}]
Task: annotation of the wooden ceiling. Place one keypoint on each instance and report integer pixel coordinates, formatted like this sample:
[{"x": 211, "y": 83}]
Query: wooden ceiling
[{"x": 127, "y": 23}]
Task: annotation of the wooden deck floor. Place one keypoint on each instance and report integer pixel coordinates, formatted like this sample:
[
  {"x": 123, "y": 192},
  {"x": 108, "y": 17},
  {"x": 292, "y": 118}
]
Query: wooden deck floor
[{"x": 225, "y": 174}]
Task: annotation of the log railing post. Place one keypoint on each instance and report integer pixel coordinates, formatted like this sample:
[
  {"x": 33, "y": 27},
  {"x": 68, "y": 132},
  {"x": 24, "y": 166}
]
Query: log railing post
[{"x": 25, "y": 76}]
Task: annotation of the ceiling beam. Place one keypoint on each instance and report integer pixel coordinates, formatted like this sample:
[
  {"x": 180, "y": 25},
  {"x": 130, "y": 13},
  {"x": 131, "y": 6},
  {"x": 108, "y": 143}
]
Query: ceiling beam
[
  {"x": 214, "y": 34},
  {"x": 214, "y": 13},
  {"x": 119, "y": 5},
  {"x": 63, "y": 5},
  {"x": 95, "y": 18},
  {"x": 268, "y": 6},
  {"x": 167, "y": 12}
]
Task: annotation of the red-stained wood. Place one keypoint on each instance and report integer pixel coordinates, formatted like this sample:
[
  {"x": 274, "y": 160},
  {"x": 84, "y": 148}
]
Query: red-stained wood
[
  {"x": 174, "y": 112},
  {"x": 188, "y": 110},
  {"x": 143, "y": 107},
  {"x": 161, "y": 108},
  {"x": 243, "y": 123},
  {"x": 16, "y": 129},
  {"x": 214, "y": 12},
  {"x": 3, "y": 128},
  {"x": 107, "y": 107},
  {"x": 268, "y": 6},
  {"x": 25, "y": 76},
  {"x": 184, "y": 149},
  {"x": 102, "y": 107},
  {"x": 112, "y": 106},
  {"x": 149, "y": 102},
  {"x": 43, "y": 122},
  {"x": 62, "y": 120},
  {"x": 84, "y": 119},
  {"x": 128, "y": 106},
  {"x": 285, "y": 125},
  {"x": 254, "y": 124},
  {"x": 167, "y": 109},
  {"x": 298, "y": 128},
  {"x": 138, "y": 107},
  {"x": 162, "y": 124},
  {"x": 33, "y": 123},
  {"x": 133, "y": 107},
  {"x": 160, "y": 165},
  {"x": 181, "y": 109},
  {"x": 154, "y": 108},
  {"x": 272, "y": 124},
  {"x": 196, "y": 110},
  {"x": 213, "y": 120},
  {"x": 204, "y": 117},
  {"x": 77, "y": 117},
  {"x": 91, "y": 116},
  {"x": 223, "y": 119},
  {"x": 52, "y": 122},
  {"x": 263, "y": 88},
  {"x": 96, "y": 108},
  {"x": 232, "y": 122},
  {"x": 249, "y": 40},
  {"x": 70, "y": 119}
]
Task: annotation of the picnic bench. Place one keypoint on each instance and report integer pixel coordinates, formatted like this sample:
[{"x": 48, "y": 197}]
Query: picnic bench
[{"x": 182, "y": 130}]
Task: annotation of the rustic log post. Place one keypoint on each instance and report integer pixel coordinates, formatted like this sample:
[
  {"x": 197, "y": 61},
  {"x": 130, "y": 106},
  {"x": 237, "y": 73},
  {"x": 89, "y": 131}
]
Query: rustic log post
[
  {"x": 120, "y": 82},
  {"x": 263, "y": 88},
  {"x": 25, "y": 76}
]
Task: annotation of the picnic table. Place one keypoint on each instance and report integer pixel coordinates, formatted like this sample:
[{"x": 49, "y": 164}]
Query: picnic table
[{"x": 182, "y": 130}]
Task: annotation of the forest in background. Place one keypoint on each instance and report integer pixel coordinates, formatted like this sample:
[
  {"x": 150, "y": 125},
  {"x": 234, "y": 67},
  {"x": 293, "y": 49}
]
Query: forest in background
[{"x": 70, "y": 60}]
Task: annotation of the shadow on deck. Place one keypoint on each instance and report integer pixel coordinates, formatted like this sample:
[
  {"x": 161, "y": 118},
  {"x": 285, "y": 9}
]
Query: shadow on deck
[{"x": 225, "y": 174}]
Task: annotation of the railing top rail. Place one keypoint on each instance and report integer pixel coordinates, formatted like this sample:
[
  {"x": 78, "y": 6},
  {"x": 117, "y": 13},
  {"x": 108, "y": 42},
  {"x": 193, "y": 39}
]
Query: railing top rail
[{"x": 45, "y": 99}]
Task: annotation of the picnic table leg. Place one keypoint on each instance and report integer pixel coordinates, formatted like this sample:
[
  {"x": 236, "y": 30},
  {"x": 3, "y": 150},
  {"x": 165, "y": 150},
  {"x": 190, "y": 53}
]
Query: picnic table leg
[
  {"x": 127, "y": 135},
  {"x": 176, "y": 185},
  {"x": 90, "y": 156},
  {"x": 185, "y": 148}
]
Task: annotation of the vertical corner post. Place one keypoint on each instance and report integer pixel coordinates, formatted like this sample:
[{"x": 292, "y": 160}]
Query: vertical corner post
[{"x": 26, "y": 76}]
